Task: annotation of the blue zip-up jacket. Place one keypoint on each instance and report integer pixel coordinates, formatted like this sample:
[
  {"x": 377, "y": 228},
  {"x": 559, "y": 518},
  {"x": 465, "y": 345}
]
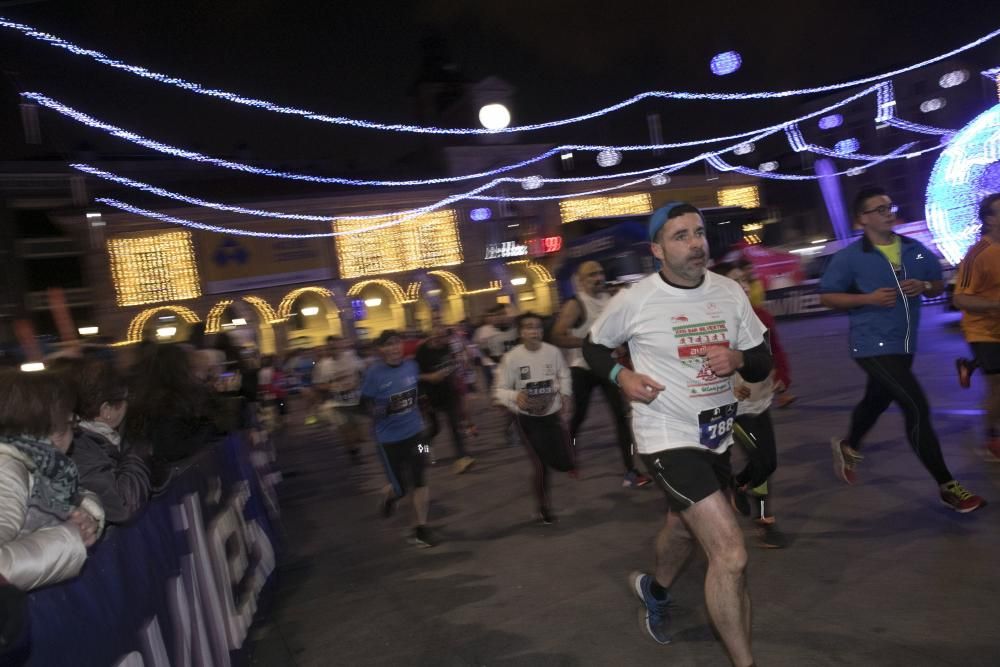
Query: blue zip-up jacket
[{"x": 861, "y": 268}]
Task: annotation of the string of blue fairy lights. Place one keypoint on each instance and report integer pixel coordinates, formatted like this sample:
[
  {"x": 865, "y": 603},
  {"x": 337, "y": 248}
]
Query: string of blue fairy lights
[{"x": 178, "y": 82}]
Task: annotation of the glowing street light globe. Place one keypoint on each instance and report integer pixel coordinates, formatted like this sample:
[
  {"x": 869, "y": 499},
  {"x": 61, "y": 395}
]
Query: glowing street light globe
[
  {"x": 494, "y": 117},
  {"x": 965, "y": 172}
]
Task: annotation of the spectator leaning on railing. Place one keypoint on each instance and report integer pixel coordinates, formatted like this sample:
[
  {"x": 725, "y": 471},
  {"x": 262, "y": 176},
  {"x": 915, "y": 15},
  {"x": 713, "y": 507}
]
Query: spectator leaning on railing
[
  {"x": 46, "y": 521},
  {"x": 109, "y": 466}
]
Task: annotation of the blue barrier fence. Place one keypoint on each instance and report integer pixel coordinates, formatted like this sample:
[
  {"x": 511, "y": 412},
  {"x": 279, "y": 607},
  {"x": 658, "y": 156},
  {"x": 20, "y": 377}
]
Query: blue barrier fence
[{"x": 178, "y": 586}]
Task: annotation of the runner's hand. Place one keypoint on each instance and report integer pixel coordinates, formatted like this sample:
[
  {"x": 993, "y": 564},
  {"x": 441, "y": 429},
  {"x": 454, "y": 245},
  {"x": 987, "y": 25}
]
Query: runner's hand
[
  {"x": 638, "y": 387},
  {"x": 883, "y": 296},
  {"x": 722, "y": 360},
  {"x": 523, "y": 401},
  {"x": 912, "y": 287},
  {"x": 742, "y": 392}
]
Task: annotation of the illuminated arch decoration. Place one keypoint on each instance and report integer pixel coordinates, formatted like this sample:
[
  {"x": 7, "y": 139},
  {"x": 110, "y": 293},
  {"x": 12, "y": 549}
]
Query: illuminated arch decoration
[
  {"x": 392, "y": 287},
  {"x": 495, "y": 286},
  {"x": 138, "y": 323},
  {"x": 285, "y": 307},
  {"x": 965, "y": 172},
  {"x": 540, "y": 273},
  {"x": 455, "y": 284},
  {"x": 213, "y": 321},
  {"x": 263, "y": 309}
]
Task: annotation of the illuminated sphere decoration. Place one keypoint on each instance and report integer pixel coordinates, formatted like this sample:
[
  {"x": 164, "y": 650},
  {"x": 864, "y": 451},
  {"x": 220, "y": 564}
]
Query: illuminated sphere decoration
[
  {"x": 847, "y": 146},
  {"x": 659, "y": 179},
  {"x": 725, "y": 63},
  {"x": 480, "y": 214},
  {"x": 965, "y": 172},
  {"x": 769, "y": 166},
  {"x": 494, "y": 117},
  {"x": 928, "y": 106},
  {"x": 532, "y": 182},
  {"x": 609, "y": 158},
  {"x": 952, "y": 79},
  {"x": 744, "y": 148},
  {"x": 831, "y": 121}
]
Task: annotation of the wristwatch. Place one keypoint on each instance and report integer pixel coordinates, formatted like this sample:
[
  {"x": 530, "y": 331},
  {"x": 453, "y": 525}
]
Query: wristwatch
[{"x": 928, "y": 286}]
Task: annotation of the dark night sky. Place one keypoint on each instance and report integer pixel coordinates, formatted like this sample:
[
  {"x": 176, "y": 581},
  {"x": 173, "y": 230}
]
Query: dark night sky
[{"x": 359, "y": 59}]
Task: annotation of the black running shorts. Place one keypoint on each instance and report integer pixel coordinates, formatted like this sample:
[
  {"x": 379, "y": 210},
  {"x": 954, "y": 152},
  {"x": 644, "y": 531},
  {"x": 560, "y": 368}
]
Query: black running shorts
[
  {"x": 987, "y": 357},
  {"x": 404, "y": 463},
  {"x": 688, "y": 474}
]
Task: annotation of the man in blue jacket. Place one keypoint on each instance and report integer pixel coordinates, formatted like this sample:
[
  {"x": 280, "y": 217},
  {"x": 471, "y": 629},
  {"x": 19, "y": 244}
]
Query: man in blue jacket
[{"x": 879, "y": 280}]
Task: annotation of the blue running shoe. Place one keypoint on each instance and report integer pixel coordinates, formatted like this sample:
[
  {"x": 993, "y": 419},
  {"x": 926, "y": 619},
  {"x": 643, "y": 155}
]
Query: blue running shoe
[{"x": 657, "y": 616}]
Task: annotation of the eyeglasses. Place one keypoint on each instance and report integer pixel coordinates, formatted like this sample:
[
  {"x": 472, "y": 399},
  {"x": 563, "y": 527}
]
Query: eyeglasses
[{"x": 883, "y": 209}]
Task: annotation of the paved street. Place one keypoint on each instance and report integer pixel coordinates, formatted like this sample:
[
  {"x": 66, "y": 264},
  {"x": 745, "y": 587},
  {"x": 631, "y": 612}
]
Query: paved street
[{"x": 878, "y": 574}]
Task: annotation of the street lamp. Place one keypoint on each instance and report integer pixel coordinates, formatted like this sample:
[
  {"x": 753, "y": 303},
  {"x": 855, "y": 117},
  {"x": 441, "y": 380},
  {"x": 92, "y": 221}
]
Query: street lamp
[{"x": 494, "y": 116}]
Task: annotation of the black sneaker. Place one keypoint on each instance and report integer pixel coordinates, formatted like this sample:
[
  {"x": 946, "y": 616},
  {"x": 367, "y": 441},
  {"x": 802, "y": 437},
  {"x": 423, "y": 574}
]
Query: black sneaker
[
  {"x": 423, "y": 538},
  {"x": 546, "y": 517}
]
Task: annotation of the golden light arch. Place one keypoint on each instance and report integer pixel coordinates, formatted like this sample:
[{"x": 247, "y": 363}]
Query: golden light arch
[
  {"x": 456, "y": 284},
  {"x": 392, "y": 287},
  {"x": 138, "y": 323},
  {"x": 285, "y": 307},
  {"x": 213, "y": 321}
]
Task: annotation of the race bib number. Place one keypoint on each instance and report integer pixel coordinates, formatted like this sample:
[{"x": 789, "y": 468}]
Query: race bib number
[
  {"x": 351, "y": 396},
  {"x": 540, "y": 396},
  {"x": 404, "y": 401},
  {"x": 715, "y": 424}
]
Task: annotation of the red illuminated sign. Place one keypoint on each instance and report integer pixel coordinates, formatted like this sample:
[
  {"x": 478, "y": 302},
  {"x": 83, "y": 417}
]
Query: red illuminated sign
[{"x": 545, "y": 245}]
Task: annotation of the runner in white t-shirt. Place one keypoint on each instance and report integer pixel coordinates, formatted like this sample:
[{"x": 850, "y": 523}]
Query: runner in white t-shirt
[
  {"x": 688, "y": 331},
  {"x": 533, "y": 382}
]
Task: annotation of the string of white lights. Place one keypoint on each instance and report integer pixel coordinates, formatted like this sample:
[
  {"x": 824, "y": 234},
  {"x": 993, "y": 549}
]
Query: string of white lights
[
  {"x": 178, "y": 82},
  {"x": 649, "y": 173},
  {"x": 886, "y": 100},
  {"x": 712, "y": 158},
  {"x": 899, "y": 153},
  {"x": 167, "y": 149}
]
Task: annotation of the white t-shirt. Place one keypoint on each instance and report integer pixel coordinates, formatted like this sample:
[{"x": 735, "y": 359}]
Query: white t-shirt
[
  {"x": 494, "y": 341},
  {"x": 761, "y": 395},
  {"x": 668, "y": 330},
  {"x": 542, "y": 374},
  {"x": 592, "y": 308},
  {"x": 343, "y": 375}
]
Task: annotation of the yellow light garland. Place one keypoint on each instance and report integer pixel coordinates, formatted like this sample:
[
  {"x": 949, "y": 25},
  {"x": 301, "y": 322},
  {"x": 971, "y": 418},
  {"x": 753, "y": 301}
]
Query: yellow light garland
[
  {"x": 394, "y": 289},
  {"x": 138, "y": 322},
  {"x": 746, "y": 197},
  {"x": 213, "y": 321},
  {"x": 151, "y": 268},
  {"x": 601, "y": 207},
  {"x": 285, "y": 307},
  {"x": 428, "y": 240}
]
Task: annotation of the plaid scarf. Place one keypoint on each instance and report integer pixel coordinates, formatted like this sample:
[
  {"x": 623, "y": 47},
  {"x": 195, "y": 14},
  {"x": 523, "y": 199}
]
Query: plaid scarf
[{"x": 56, "y": 476}]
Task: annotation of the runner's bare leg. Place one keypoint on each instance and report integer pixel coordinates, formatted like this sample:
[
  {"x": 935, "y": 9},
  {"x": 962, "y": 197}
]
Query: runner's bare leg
[{"x": 713, "y": 524}]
